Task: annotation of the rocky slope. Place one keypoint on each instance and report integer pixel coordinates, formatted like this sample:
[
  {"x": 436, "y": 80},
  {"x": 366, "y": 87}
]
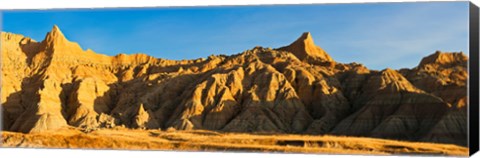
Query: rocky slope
[{"x": 294, "y": 89}]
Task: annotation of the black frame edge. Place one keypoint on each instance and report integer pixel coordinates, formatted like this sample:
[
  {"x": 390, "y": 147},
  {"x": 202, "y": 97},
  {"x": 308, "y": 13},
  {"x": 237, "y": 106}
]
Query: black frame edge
[{"x": 473, "y": 137}]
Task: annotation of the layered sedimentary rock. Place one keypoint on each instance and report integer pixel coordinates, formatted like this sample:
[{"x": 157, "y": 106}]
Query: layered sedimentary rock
[
  {"x": 445, "y": 75},
  {"x": 391, "y": 107},
  {"x": 298, "y": 88}
]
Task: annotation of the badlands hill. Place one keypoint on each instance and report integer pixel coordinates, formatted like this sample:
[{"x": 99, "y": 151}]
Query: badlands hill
[{"x": 296, "y": 89}]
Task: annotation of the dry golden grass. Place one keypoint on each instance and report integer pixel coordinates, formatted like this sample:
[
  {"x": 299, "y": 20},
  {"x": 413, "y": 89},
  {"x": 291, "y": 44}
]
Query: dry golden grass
[{"x": 199, "y": 140}]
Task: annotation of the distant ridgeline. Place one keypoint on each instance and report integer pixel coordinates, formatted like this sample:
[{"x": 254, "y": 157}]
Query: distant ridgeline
[{"x": 298, "y": 88}]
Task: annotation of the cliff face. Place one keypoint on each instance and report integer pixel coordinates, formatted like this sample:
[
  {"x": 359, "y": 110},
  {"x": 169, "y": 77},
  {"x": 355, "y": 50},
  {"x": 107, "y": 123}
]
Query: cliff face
[{"x": 294, "y": 89}]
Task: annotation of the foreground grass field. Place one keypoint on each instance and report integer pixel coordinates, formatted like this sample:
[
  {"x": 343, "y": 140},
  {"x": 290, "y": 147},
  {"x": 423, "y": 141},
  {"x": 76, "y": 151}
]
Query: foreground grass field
[{"x": 198, "y": 140}]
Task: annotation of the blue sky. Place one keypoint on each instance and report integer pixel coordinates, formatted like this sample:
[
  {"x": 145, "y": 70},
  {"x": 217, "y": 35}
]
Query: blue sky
[{"x": 379, "y": 35}]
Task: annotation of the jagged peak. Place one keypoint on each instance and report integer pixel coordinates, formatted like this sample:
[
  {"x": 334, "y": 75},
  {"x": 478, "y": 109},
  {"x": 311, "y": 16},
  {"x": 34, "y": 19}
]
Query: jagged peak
[
  {"x": 56, "y": 29},
  {"x": 55, "y": 35},
  {"x": 391, "y": 74},
  {"x": 55, "y": 41},
  {"x": 393, "y": 81},
  {"x": 306, "y": 36},
  {"x": 444, "y": 58},
  {"x": 304, "y": 48},
  {"x": 388, "y": 71}
]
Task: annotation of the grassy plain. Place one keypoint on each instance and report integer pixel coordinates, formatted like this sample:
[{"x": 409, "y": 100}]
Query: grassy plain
[{"x": 200, "y": 140}]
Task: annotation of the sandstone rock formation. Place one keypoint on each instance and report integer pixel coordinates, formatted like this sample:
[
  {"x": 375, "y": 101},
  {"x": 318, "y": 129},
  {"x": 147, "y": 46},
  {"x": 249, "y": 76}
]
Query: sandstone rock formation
[
  {"x": 304, "y": 48},
  {"x": 445, "y": 75},
  {"x": 294, "y": 89}
]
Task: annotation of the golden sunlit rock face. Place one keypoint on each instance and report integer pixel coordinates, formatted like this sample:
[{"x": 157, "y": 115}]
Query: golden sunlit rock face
[{"x": 296, "y": 89}]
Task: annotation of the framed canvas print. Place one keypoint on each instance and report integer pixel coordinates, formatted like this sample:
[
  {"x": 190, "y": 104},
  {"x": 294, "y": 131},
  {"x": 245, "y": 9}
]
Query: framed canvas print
[{"x": 366, "y": 78}]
